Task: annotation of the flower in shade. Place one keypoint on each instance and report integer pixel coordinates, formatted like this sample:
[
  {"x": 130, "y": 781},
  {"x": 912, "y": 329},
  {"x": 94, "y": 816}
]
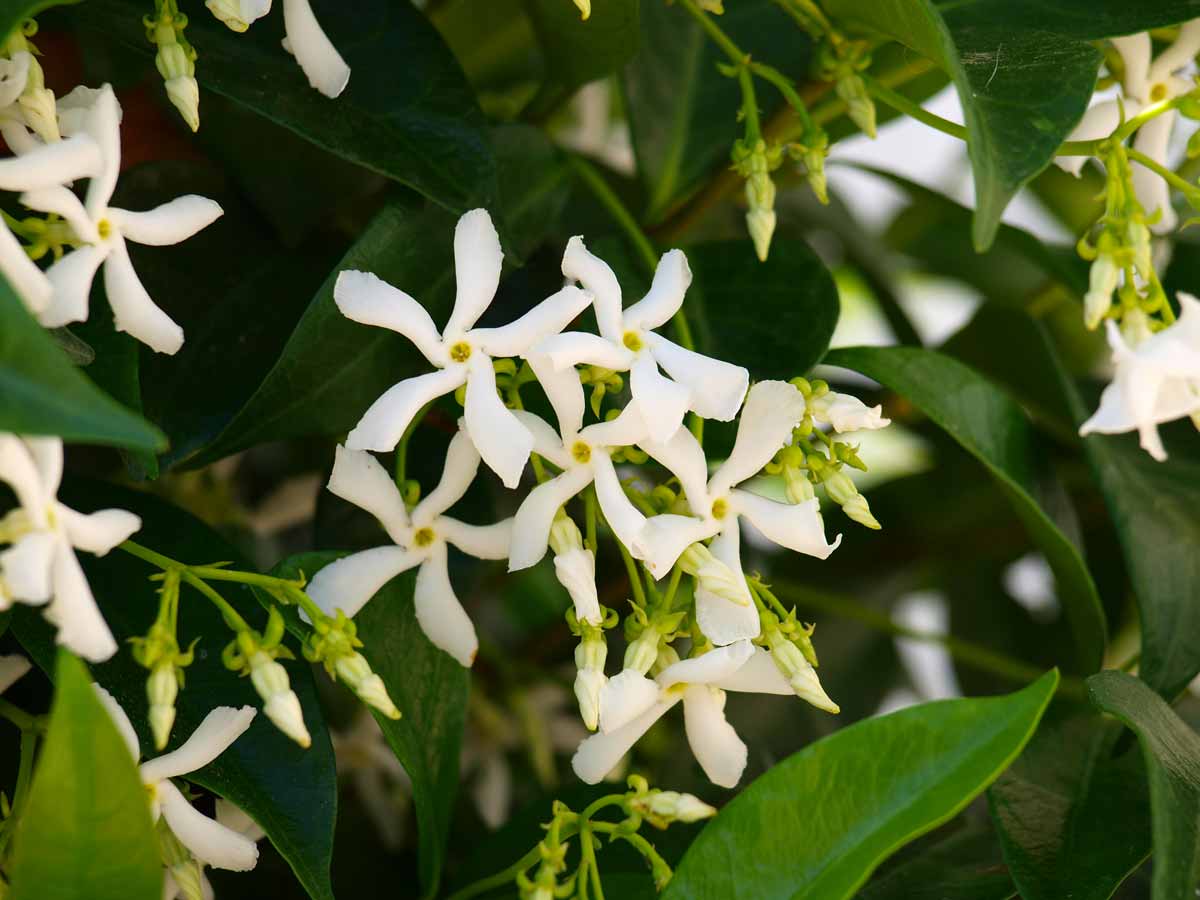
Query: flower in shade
[
  {"x": 628, "y": 343},
  {"x": 462, "y": 353},
  {"x": 421, "y": 540}
]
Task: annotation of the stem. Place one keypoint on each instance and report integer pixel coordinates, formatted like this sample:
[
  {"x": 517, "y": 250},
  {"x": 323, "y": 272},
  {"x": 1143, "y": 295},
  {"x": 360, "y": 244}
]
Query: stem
[
  {"x": 155, "y": 559},
  {"x": 589, "y": 507},
  {"x": 587, "y": 854},
  {"x": 749, "y": 107},
  {"x": 785, "y": 86},
  {"x": 735, "y": 53},
  {"x": 635, "y": 581},
  {"x": 599, "y": 187},
  {"x": 902, "y": 104},
  {"x": 502, "y": 878},
  {"x": 1161, "y": 171},
  {"x": 672, "y": 586},
  {"x": 232, "y": 618},
  {"x": 402, "y": 447},
  {"x": 27, "y": 722}
]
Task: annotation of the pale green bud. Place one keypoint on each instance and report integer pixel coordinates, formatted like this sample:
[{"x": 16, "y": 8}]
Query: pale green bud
[
  {"x": 672, "y": 806},
  {"x": 355, "y": 672},
  {"x": 714, "y": 576},
  {"x": 642, "y": 652},
  {"x": 859, "y": 510},
  {"x": 797, "y": 487},
  {"x": 1138, "y": 236},
  {"x": 281, "y": 704},
  {"x": 843, "y": 492},
  {"x": 1102, "y": 281},
  {"x": 37, "y": 104},
  {"x": 800, "y": 675},
  {"x": 238, "y": 14},
  {"x": 761, "y": 225},
  {"x": 589, "y": 683},
  {"x": 565, "y": 534},
  {"x": 162, "y": 687},
  {"x": 189, "y": 879},
  {"x": 859, "y": 105},
  {"x": 585, "y": 8},
  {"x": 184, "y": 94}
]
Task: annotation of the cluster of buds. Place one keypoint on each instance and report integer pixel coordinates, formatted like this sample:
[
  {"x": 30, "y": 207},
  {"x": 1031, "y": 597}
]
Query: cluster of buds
[
  {"x": 159, "y": 652},
  {"x": 602, "y": 382},
  {"x": 841, "y": 61},
  {"x": 176, "y": 59},
  {"x": 334, "y": 644},
  {"x": 575, "y": 567},
  {"x": 591, "y": 653},
  {"x": 250, "y": 653},
  {"x": 790, "y": 645},
  {"x": 552, "y": 855},
  {"x": 755, "y": 162},
  {"x": 36, "y": 101}
]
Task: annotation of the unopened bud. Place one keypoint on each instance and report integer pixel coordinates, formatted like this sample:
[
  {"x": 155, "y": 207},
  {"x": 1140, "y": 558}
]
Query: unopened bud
[
  {"x": 355, "y": 672},
  {"x": 859, "y": 105},
  {"x": 714, "y": 576},
  {"x": 585, "y": 8},
  {"x": 238, "y": 14},
  {"x": 189, "y": 879},
  {"x": 162, "y": 687},
  {"x": 846, "y": 412},
  {"x": 41, "y": 113},
  {"x": 1102, "y": 281},
  {"x": 643, "y": 651},
  {"x": 589, "y": 685},
  {"x": 1135, "y": 327},
  {"x": 800, "y": 675},
  {"x": 575, "y": 568},
  {"x": 859, "y": 510},
  {"x": 664, "y": 807},
  {"x": 281, "y": 704},
  {"x": 797, "y": 487},
  {"x": 184, "y": 94}
]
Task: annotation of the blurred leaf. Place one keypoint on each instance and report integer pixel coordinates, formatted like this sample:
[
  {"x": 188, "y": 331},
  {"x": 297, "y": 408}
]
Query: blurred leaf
[
  {"x": 407, "y": 112},
  {"x": 992, "y": 428},
  {"x": 534, "y": 186},
  {"x": 1073, "y": 817},
  {"x": 579, "y": 51},
  {"x": 14, "y": 12},
  {"x": 430, "y": 689},
  {"x": 85, "y": 833},
  {"x": 1172, "y": 753},
  {"x": 967, "y": 865},
  {"x": 819, "y": 822},
  {"x": 1084, "y": 19},
  {"x": 289, "y": 791},
  {"x": 44, "y": 394}
]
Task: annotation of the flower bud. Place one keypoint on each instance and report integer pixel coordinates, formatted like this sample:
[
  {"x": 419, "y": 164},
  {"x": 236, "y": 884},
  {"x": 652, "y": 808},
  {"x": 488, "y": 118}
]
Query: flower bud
[
  {"x": 238, "y": 14},
  {"x": 281, "y": 704},
  {"x": 846, "y": 412},
  {"x": 1135, "y": 327},
  {"x": 714, "y": 576},
  {"x": 589, "y": 684},
  {"x": 162, "y": 687},
  {"x": 800, "y": 674},
  {"x": 797, "y": 487},
  {"x": 1102, "y": 281},
  {"x": 37, "y": 104},
  {"x": 664, "y": 807},
  {"x": 585, "y": 8},
  {"x": 184, "y": 94},
  {"x": 859, "y": 105},
  {"x": 1138, "y": 236},
  {"x": 189, "y": 880},
  {"x": 843, "y": 492},
  {"x": 575, "y": 568},
  {"x": 355, "y": 672},
  {"x": 643, "y": 651}
]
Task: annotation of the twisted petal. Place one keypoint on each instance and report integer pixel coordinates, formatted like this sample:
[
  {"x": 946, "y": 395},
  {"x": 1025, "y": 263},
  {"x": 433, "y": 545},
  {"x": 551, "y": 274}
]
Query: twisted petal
[
  {"x": 759, "y": 675},
  {"x": 71, "y": 280},
  {"x": 480, "y": 541},
  {"x": 477, "y": 261},
  {"x": 170, "y": 223},
  {"x": 29, "y": 282},
  {"x": 384, "y": 423},
  {"x": 358, "y": 478},
  {"x": 501, "y": 439},
  {"x": 1152, "y": 192},
  {"x": 661, "y": 401},
  {"x": 97, "y": 532},
  {"x": 212, "y": 737},
  {"x": 627, "y": 429},
  {"x": 599, "y": 754},
  {"x": 549, "y": 317},
  {"x": 622, "y": 516},
  {"x": 672, "y": 277},
  {"x": 716, "y": 387},
  {"x": 12, "y": 668},
  {"x": 366, "y": 298},
  {"x": 462, "y": 462},
  {"x": 663, "y": 539},
  {"x": 797, "y": 526},
  {"x": 625, "y": 697},
  {"x": 564, "y": 391},
  {"x": 1179, "y": 54},
  {"x": 574, "y": 348},
  {"x": 547, "y": 443},
  {"x": 60, "y": 201},
  {"x": 772, "y": 410},
  {"x": 710, "y": 667},
  {"x": 207, "y": 839},
  {"x": 683, "y": 457},
  {"x": 580, "y": 264},
  {"x": 721, "y": 621},
  {"x": 531, "y": 525},
  {"x": 351, "y": 581},
  {"x": 26, "y": 568},
  {"x": 19, "y": 470},
  {"x": 439, "y": 613},
  {"x": 1098, "y": 122},
  {"x": 51, "y": 165},
  {"x": 1135, "y": 52},
  {"x": 133, "y": 310},
  {"x": 318, "y": 58},
  {"x": 718, "y": 749},
  {"x": 103, "y": 124},
  {"x": 81, "y": 627},
  {"x": 120, "y": 719}
]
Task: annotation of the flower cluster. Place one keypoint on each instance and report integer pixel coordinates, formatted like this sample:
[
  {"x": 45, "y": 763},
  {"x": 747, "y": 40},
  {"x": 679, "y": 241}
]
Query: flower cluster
[{"x": 692, "y": 642}]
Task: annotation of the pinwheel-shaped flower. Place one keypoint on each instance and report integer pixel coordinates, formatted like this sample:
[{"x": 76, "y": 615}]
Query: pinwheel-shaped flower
[
  {"x": 1154, "y": 382},
  {"x": 104, "y": 230},
  {"x": 627, "y": 343},
  {"x": 461, "y": 353},
  {"x": 208, "y": 840},
  {"x": 772, "y": 410},
  {"x": 40, "y": 566},
  {"x": 421, "y": 540}
]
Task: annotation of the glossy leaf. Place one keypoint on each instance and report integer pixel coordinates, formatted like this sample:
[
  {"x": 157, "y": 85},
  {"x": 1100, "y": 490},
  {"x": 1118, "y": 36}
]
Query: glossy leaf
[
  {"x": 44, "y": 394},
  {"x": 990, "y": 426},
  {"x": 289, "y": 791},
  {"x": 86, "y": 832},
  {"x": 1084, "y": 19},
  {"x": 579, "y": 51},
  {"x": 819, "y": 822},
  {"x": 1172, "y": 753},
  {"x": 967, "y": 865}
]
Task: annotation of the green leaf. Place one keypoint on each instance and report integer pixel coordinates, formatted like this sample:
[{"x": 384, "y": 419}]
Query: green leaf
[
  {"x": 290, "y": 792},
  {"x": 579, "y": 51},
  {"x": 430, "y": 689},
  {"x": 1084, "y": 19},
  {"x": 990, "y": 426},
  {"x": 535, "y": 183},
  {"x": 44, "y": 394},
  {"x": 1073, "y": 817},
  {"x": 1172, "y": 753},
  {"x": 817, "y": 824},
  {"x": 407, "y": 112},
  {"x": 1023, "y": 89},
  {"x": 14, "y": 12},
  {"x": 86, "y": 832},
  {"x": 967, "y": 865}
]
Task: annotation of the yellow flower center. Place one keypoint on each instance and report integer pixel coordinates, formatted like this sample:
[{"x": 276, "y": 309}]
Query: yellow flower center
[
  {"x": 581, "y": 452},
  {"x": 632, "y": 340},
  {"x": 423, "y": 537},
  {"x": 1158, "y": 92},
  {"x": 105, "y": 229},
  {"x": 460, "y": 352},
  {"x": 719, "y": 508}
]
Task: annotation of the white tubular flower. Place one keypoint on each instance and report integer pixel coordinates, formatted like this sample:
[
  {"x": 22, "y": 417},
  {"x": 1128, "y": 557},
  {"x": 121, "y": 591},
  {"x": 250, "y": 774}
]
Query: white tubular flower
[
  {"x": 462, "y": 354},
  {"x": 280, "y": 703},
  {"x": 420, "y": 540},
  {"x": 209, "y": 841},
  {"x": 628, "y": 343},
  {"x": 772, "y": 410},
  {"x": 105, "y": 230},
  {"x": 846, "y": 413},
  {"x": 1154, "y": 382},
  {"x": 40, "y": 567}
]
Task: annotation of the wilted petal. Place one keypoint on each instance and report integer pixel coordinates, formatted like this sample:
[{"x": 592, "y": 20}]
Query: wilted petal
[
  {"x": 672, "y": 277},
  {"x": 71, "y": 279},
  {"x": 564, "y": 391},
  {"x": 358, "y": 478},
  {"x": 213, "y": 736},
  {"x": 439, "y": 613},
  {"x": 348, "y": 583},
  {"x": 73, "y": 610},
  {"x": 720, "y": 620},
  {"x": 51, "y": 165},
  {"x": 620, "y": 513},
  {"x": 772, "y": 410},
  {"x": 531, "y": 525},
  {"x": 384, "y": 423},
  {"x": 366, "y": 298},
  {"x": 1135, "y": 50},
  {"x": 26, "y": 567},
  {"x": 661, "y": 401},
  {"x": 663, "y": 539},
  {"x": 480, "y": 541},
  {"x": 683, "y": 457},
  {"x": 501, "y": 439},
  {"x": 318, "y": 58},
  {"x": 462, "y": 462},
  {"x": 625, "y": 697},
  {"x": 121, "y": 719},
  {"x": 60, "y": 201},
  {"x": 717, "y": 747},
  {"x": 759, "y": 675},
  {"x": 846, "y": 413},
  {"x": 100, "y": 531},
  {"x": 208, "y": 840},
  {"x": 599, "y": 754},
  {"x": 170, "y": 223},
  {"x": 549, "y": 317},
  {"x": 576, "y": 348},
  {"x": 477, "y": 262},
  {"x": 1152, "y": 192},
  {"x": 708, "y": 668},
  {"x": 133, "y": 310},
  {"x": 797, "y": 526},
  {"x": 716, "y": 387},
  {"x": 29, "y": 282},
  {"x": 596, "y": 276}
]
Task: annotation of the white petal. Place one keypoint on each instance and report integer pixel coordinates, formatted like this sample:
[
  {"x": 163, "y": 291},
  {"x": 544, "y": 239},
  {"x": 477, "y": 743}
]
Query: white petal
[
  {"x": 100, "y": 531},
  {"x": 322, "y": 64},
  {"x": 14, "y": 74},
  {"x": 547, "y": 443},
  {"x": 672, "y": 278},
  {"x": 71, "y": 279},
  {"x": 26, "y": 568},
  {"x": 358, "y": 478},
  {"x": 663, "y": 539},
  {"x": 47, "y": 453},
  {"x": 17, "y": 135},
  {"x": 462, "y": 462},
  {"x": 20, "y": 471},
  {"x": 759, "y": 675},
  {"x": 620, "y": 513},
  {"x": 477, "y": 262},
  {"x": 103, "y": 124},
  {"x": 625, "y": 697},
  {"x": 710, "y": 667},
  {"x": 385, "y": 422},
  {"x": 846, "y": 413},
  {"x": 1179, "y": 54},
  {"x": 12, "y": 668},
  {"x": 60, "y": 201},
  {"x": 366, "y": 298},
  {"x": 718, "y": 749},
  {"x": 575, "y": 348},
  {"x": 721, "y": 621},
  {"x": 549, "y": 317},
  {"x": 208, "y": 840},
  {"x": 580, "y": 264},
  {"x": 29, "y": 282},
  {"x": 599, "y": 754},
  {"x": 1135, "y": 52},
  {"x": 501, "y": 439},
  {"x": 236, "y": 819},
  {"x": 439, "y": 613},
  {"x": 772, "y": 410},
  {"x": 661, "y": 401},
  {"x": 627, "y": 429},
  {"x": 121, "y": 719},
  {"x": 576, "y": 571},
  {"x": 81, "y": 627},
  {"x": 797, "y": 526},
  {"x": 1098, "y": 122},
  {"x": 683, "y": 457},
  {"x": 480, "y": 541},
  {"x": 170, "y": 223},
  {"x": 1152, "y": 192},
  {"x": 1111, "y": 416},
  {"x": 348, "y": 583},
  {"x": 213, "y": 736},
  {"x": 133, "y": 310},
  {"x": 716, "y": 387},
  {"x": 564, "y": 391},
  {"x": 51, "y": 165},
  {"x": 531, "y": 525}
]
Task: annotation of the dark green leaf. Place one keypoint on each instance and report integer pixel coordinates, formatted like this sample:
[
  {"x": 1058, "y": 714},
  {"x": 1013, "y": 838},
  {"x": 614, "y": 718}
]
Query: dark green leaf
[
  {"x": 1084, "y": 19},
  {"x": 967, "y": 865},
  {"x": 579, "y": 51},
  {"x": 86, "y": 832},
  {"x": 534, "y": 186},
  {"x": 290, "y": 792},
  {"x": 991, "y": 427},
  {"x": 44, "y": 394},
  {"x": 1172, "y": 753},
  {"x": 14, "y": 12},
  {"x": 817, "y": 824}
]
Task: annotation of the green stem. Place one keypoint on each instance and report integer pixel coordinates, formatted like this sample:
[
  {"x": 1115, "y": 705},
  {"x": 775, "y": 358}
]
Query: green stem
[
  {"x": 500, "y": 879},
  {"x": 635, "y": 581},
  {"x": 599, "y": 187},
  {"x": 902, "y": 104},
  {"x": 787, "y": 89},
  {"x": 1161, "y": 171},
  {"x": 587, "y": 854},
  {"x": 232, "y": 618},
  {"x": 736, "y": 55},
  {"x": 750, "y": 107},
  {"x": 595, "y": 806},
  {"x": 23, "y": 720},
  {"x": 672, "y": 587},
  {"x": 589, "y": 507},
  {"x": 155, "y": 559},
  {"x": 402, "y": 446}
]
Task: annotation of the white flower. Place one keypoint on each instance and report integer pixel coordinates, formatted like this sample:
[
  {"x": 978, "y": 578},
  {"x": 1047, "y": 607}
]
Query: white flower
[
  {"x": 238, "y": 14},
  {"x": 627, "y": 343},
  {"x": 235, "y": 819},
  {"x": 461, "y": 353},
  {"x": 383, "y": 787},
  {"x": 421, "y": 540},
  {"x": 846, "y": 413},
  {"x": 1155, "y": 382},
  {"x": 40, "y": 566},
  {"x": 208, "y": 840},
  {"x": 772, "y": 410},
  {"x": 105, "y": 230}
]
